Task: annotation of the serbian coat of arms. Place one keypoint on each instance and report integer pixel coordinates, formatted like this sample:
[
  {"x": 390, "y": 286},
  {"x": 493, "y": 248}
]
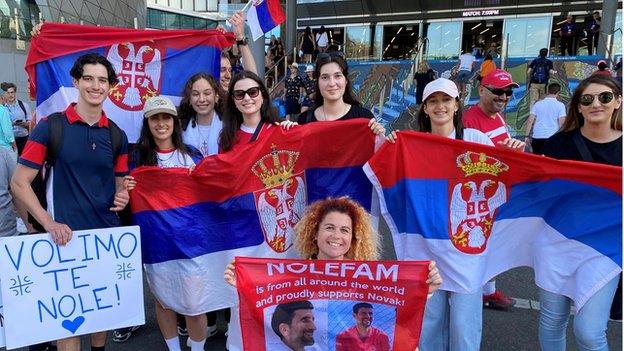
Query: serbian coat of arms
[
  {"x": 280, "y": 205},
  {"x": 474, "y": 201},
  {"x": 139, "y": 70}
]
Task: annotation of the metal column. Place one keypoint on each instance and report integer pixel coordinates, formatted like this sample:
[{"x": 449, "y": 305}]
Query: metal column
[
  {"x": 290, "y": 42},
  {"x": 607, "y": 25}
]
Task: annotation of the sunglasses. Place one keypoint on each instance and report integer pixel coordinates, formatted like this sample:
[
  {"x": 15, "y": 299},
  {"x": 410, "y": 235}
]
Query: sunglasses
[
  {"x": 587, "y": 99},
  {"x": 240, "y": 94},
  {"x": 499, "y": 92}
]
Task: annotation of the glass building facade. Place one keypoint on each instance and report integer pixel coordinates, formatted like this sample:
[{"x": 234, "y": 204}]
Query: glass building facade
[
  {"x": 519, "y": 28},
  {"x": 17, "y": 17},
  {"x": 159, "y": 19}
]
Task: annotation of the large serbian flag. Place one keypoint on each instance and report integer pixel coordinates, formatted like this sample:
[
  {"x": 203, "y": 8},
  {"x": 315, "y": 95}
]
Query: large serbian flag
[
  {"x": 147, "y": 63},
  {"x": 263, "y": 16},
  {"x": 242, "y": 203},
  {"x": 479, "y": 211},
  {"x": 326, "y": 305}
]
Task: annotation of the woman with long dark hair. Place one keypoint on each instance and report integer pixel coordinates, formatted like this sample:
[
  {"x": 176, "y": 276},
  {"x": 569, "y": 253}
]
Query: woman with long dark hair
[
  {"x": 591, "y": 132},
  {"x": 199, "y": 113},
  {"x": 334, "y": 99},
  {"x": 160, "y": 144},
  {"x": 248, "y": 111},
  {"x": 452, "y": 321}
]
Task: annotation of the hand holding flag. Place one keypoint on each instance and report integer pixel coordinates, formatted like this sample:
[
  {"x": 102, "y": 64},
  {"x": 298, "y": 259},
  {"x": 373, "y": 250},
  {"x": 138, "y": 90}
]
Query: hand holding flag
[{"x": 263, "y": 16}]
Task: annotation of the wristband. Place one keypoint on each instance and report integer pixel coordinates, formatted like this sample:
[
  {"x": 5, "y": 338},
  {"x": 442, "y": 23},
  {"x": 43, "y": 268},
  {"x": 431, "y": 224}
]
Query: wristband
[{"x": 242, "y": 42}]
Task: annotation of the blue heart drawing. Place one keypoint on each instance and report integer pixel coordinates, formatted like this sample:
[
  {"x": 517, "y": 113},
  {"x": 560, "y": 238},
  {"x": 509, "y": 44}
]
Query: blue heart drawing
[{"x": 72, "y": 326}]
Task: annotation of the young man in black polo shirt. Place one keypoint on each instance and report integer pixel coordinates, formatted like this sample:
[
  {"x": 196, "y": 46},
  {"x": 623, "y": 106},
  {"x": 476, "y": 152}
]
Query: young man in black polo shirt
[{"x": 87, "y": 187}]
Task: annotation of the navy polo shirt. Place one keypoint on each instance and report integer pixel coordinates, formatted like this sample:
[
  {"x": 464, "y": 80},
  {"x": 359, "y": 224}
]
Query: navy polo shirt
[{"x": 81, "y": 188}]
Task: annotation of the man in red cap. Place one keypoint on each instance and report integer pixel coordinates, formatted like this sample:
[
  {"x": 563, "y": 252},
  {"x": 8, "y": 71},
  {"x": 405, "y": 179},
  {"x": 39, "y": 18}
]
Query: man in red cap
[{"x": 494, "y": 92}]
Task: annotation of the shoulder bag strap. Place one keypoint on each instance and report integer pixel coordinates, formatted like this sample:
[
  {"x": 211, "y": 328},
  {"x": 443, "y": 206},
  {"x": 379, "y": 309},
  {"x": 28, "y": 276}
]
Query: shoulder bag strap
[
  {"x": 581, "y": 146},
  {"x": 256, "y": 132}
]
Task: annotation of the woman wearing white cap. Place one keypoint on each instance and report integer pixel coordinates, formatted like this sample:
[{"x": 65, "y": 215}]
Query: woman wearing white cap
[
  {"x": 452, "y": 321},
  {"x": 160, "y": 144}
]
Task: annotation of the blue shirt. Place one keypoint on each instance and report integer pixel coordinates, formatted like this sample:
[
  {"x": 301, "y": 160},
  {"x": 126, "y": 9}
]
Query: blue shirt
[
  {"x": 568, "y": 29},
  {"x": 81, "y": 188}
]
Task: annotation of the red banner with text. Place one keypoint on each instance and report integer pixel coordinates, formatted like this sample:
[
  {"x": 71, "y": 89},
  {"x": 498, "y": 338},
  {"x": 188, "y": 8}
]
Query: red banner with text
[{"x": 331, "y": 305}]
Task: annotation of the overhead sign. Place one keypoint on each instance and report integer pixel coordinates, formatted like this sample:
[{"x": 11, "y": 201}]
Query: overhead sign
[{"x": 480, "y": 13}]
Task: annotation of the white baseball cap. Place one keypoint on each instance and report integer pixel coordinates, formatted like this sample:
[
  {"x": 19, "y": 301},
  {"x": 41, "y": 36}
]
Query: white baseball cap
[
  {"x": 159, "y": 104},
  {"x": 442, "y": 85}
]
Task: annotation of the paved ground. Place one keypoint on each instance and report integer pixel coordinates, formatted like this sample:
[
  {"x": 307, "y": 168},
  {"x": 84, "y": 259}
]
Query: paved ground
[{"x": 504, "y": 331}]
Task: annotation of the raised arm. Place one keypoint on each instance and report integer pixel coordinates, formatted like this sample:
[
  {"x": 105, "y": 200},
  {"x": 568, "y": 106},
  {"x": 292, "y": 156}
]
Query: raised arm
[{"x": 238, "y": 24}]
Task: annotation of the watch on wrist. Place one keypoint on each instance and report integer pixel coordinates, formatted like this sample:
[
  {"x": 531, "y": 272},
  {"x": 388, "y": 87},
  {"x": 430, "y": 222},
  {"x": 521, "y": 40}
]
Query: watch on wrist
[{"x": 240, "y": 42}]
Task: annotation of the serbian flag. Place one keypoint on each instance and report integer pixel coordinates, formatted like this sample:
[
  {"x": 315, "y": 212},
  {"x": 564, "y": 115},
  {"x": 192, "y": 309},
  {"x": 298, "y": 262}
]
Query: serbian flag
[
  {"x": 479, "y": 211},
  {"x": 263, "y": 16},
  {"x": 321, "y": 304},
  {"x": 243, "y": 203},
  {"x": 147, "y": 63}
]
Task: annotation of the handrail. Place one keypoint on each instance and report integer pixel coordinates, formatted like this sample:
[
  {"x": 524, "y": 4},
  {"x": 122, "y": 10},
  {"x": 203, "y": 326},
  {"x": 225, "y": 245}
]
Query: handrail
[{"x": 273, "y": 68}]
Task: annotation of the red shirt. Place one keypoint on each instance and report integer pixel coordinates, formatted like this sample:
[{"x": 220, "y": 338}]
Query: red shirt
[
  {"x": 349, "y": 340},
  {"x": 494, "y": 128},
  {"x": 244, "y": 136}
]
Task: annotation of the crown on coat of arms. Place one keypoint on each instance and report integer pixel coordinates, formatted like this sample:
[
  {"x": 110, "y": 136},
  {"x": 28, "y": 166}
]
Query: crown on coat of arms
[
  {"x": 475, "y": 163},
  {"x": 275, "y": 167}
]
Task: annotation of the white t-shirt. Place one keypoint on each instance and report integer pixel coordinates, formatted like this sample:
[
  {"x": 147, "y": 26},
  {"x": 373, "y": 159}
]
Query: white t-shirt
[
  {"x": 204, "y": 138},
  {"x": 173, "y": 158},
  {"x": 321, "y": 39},
  {"x": 474, "y": 136},
  {"x": 465, "y": 62},
  {"x": 547, "y": 113}
]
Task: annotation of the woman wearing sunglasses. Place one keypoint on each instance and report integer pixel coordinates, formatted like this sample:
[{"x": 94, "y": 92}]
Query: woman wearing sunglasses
[
  {"x": 248, "y": 113},
  {"x": 452, "y": 321},
  {"x": 336, "y": 101},
  {"x": 591, "y": 132}
]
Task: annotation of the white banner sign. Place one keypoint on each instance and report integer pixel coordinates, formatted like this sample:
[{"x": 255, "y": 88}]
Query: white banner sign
[{"x": 94, "y": 283}]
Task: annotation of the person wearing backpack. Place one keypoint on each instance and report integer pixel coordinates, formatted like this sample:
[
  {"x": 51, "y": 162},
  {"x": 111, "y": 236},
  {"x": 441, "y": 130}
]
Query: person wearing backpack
[
  {"x": 539, "y": 72},
  {"x": 85, "y": 156},
  {"x": 20, "y": 115}
]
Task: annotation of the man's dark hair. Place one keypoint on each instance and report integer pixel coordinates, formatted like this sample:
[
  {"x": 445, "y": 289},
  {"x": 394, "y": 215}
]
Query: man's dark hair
[
  {"x": 93, "y": 59},
  {"x": 543, "y": 52},
  {"x": 359, "y": 305},
  {"x": 284, "y": 314},
  {"x": 554, "y": 88},
  {"x": 7, "y": 85}
]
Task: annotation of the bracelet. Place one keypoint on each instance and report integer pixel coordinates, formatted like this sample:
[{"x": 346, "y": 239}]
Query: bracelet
[{"x": 241, "y": 42}]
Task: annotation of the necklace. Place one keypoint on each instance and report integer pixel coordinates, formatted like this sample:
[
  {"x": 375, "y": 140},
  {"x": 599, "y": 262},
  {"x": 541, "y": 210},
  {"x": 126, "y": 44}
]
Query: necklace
[
  {"x": 344, "y": 106},
  {"x": 203, "y": 139}
]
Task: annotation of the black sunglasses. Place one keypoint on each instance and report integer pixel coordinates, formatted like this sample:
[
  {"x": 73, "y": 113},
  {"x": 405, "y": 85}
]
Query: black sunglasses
[
  {"x": 605, "y": 97},
  {"x": 240, "y": 94},
  {"x": 499, "y": 92}
]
